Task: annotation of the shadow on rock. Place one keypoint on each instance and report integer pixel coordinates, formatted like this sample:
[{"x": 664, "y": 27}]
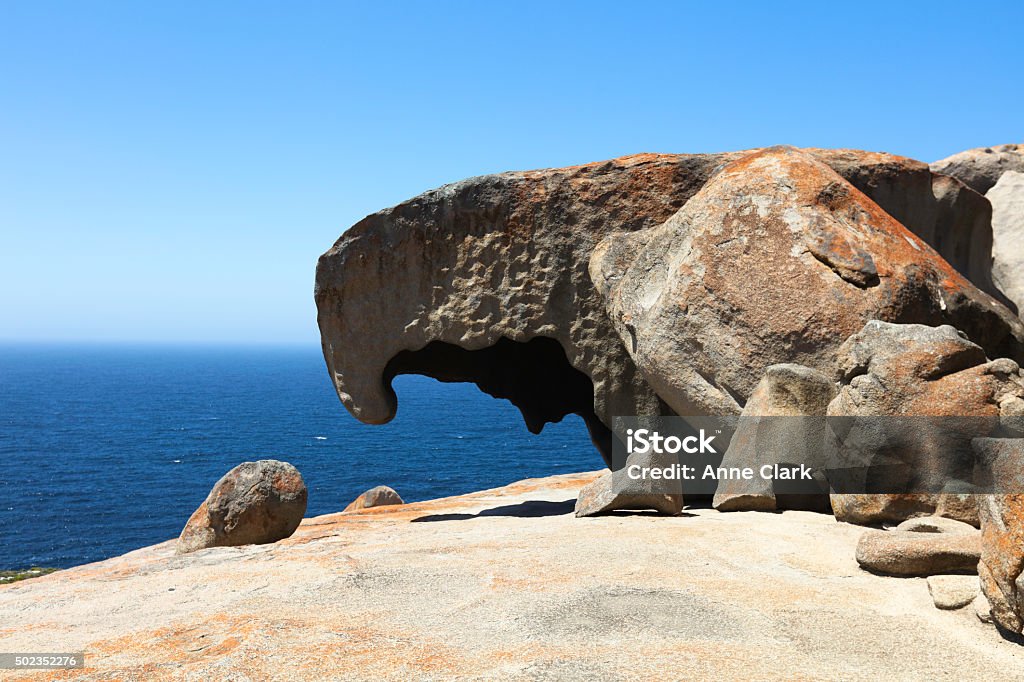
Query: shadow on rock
[{"x": 530, "y": 509}]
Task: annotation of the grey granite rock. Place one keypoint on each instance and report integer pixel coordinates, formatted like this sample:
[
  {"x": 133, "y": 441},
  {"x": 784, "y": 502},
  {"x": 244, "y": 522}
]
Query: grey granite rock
[
  {"x": 902, "y": 553},
  {"x": 1007, "y": 199},
  {"x": 254, "y": 503},
  {"x": 981, "y": 168}
]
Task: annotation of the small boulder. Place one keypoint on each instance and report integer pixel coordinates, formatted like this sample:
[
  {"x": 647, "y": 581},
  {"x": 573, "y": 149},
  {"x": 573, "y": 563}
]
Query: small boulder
[
  {"x": 253, "y": 504},
  {"x": 951, "y": 592},
  {"x": 612, "y": 491},
  {"x": 868, "y": 509},
  {"x": 379, "y": 496},
  {"x": 902, "y": 553},
  {"x": 782, "y": 423}
]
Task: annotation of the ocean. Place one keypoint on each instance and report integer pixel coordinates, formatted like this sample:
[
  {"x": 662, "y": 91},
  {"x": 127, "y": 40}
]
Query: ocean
[{"x": 108, "y": 448}]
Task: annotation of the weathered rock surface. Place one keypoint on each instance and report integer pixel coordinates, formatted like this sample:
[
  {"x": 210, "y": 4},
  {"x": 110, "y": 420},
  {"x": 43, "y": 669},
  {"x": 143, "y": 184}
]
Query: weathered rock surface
[
  {"x": 1002, "y": 528},
  {"x": 773, "y": 430},
  {"x": 917, "y": 370},
  {"x": 254, "y": 503},
  {"x": 872, "y": 509},
  {"x": 505, "y": 584},
  {"x": 1002, "y": 558},
  {"x": 903, "y": 373},
  {"x": 981, "y": 168},
  {"x": 486, "y": 280},
  {"x": 952, "y": 218},
  {"x": 903, "y": 553},
  {"x": 602, "y": 496},
  {"x": 776, "y": 259},
  {"x": 951, "y": 592},
  {"x": 379, "y": 496},
  {"x": 936, "y": 524},
  {"x": 962, "y": 507},
  {"x": 1007, "y": 199}
]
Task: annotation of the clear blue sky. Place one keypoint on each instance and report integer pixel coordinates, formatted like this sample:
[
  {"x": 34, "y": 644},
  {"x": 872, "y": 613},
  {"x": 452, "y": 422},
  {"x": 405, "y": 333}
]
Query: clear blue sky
[{"x": 171, "y": 170}]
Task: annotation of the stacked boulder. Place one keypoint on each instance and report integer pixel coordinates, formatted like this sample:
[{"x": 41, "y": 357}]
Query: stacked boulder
[{"x": 777, "y": 259}]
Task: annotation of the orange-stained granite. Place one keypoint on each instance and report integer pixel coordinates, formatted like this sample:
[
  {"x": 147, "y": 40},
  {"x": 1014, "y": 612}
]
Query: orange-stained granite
[{"x": 505, "y": 584}]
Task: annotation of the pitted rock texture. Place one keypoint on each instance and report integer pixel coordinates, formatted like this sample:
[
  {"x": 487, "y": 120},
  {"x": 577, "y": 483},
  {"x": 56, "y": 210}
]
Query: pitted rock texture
[
  {"x": 378, "y": 496},
  {"x": 254, "y": 503},
  {"x": 909, "y": 374},
  {"x": 981, "y": 168},
  {"x": 1002, "y": 529},
  {"x": 486, "y": 280},
  {"x": 776, "y": 259},
  {"x": 774, "y": 429},
  {"x": 1007, "y": 199}
]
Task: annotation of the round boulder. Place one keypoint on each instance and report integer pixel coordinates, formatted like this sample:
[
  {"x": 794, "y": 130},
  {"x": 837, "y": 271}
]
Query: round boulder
[
  {"x": 380, "y": 496},
  {"x": 253, "y": 504}
]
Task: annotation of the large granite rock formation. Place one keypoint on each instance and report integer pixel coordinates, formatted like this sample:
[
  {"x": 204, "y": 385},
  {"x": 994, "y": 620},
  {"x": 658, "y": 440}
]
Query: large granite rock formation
[
  {"x": 486, "y": 280},
  {"x": 1007, "y": 199},
  {"x": 777, "y": 259},
  {"x": 981, "y": 168}
]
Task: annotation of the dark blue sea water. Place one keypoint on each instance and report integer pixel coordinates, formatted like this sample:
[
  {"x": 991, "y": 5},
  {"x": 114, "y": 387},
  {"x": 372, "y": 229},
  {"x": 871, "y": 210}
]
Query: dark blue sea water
[{"x": 104, "y": 449}]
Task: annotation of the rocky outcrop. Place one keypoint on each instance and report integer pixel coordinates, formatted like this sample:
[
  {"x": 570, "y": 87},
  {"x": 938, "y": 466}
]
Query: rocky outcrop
[
  {"x": 379, "y": 496},
  {"x": 1002, "y": 558},
  {"x": 777, "y": 259},
  {"x": 917, "y": 370},
  {"x": 254, "y": 503},
  {"x": 613, "y": 492},
  {"x": 907, "y": 375},
  {"x": 522, "y": 591},
  {"x": 981, "y": 168},
  {"x": 1007, "y": 199},
  {"x": 774, "y": 429},
  {"x": 486, "y": 280},
  {"x": 903, "y": 553},
  {"x": 952, "y": 218},
  {"x": 1002, "y": 528}
]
